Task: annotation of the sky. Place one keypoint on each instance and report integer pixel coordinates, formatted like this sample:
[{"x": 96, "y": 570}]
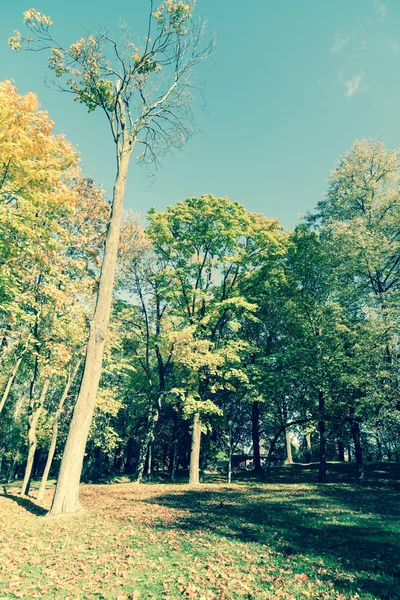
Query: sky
[{"x": 291, "y": 85}]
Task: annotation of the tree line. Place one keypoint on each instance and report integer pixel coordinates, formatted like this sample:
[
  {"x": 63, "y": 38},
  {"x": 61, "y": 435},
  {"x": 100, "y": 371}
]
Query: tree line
[{"x": 128, "y": 346}]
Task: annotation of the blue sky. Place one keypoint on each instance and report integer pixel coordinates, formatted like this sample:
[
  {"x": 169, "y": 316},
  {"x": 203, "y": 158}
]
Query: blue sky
[{"x": 292, "y": 84}]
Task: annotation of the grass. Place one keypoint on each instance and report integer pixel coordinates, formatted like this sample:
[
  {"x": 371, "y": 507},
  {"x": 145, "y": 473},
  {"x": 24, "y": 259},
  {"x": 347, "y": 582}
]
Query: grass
[{"x": 287, "y": 538}]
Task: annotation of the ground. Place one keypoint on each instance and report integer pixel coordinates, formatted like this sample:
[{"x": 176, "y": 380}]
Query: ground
[{"x": 286, "y": 538}]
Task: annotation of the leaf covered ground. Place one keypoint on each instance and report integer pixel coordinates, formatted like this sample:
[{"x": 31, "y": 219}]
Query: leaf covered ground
[{"x": 284, "y": 539}]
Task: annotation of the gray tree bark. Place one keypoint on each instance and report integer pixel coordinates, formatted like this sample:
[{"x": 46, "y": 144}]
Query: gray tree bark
[
  {"x": 289, "y": 457},
  {"x": 355, "y": 430},
  {"x": 149, "y": 462},
  {"x": 173, "y": 465},
  {"x": 33, "y": 420},
  {"x": 9, "y": 383},
  {"x": 194, "y": 467},
  {"x": 66, "y": 495},
  {"x": 147, "y": 440},
  {"x": 340, "y": 450},
  {"x": 309, "y": 447},
  {"x": 54, "y": 436},
  {"x": 322, "y": 438},
  {"x": 255, "y": 432}
]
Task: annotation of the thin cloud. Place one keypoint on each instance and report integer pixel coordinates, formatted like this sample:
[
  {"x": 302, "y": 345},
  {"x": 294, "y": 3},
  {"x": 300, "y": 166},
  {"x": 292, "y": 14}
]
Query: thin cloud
[
  {"x": 339, "y": 45},
  {"x": 352, "y": 85},
  {"x": 394, "y": 46},
  {"x": 380, "y": 9}
]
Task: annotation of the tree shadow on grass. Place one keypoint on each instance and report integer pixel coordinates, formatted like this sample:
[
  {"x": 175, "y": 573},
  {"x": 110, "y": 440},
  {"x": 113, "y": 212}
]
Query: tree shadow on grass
[
  {"x": 359, "y": 554},
  {"x": 364, "y": 499},
  {"x": 380, "y": 474},
  {"x": 27, "y": 504}
]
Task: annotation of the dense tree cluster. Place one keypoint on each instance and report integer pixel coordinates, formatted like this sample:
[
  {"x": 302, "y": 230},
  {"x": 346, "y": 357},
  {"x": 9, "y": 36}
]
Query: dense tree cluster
[
  {"x": 206, "y": 334},
  {"x": 228, "y": 334}
]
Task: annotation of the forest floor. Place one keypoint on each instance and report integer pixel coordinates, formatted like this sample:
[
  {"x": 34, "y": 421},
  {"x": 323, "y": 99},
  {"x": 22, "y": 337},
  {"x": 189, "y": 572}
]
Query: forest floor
[{"x": 287, "y": 538}]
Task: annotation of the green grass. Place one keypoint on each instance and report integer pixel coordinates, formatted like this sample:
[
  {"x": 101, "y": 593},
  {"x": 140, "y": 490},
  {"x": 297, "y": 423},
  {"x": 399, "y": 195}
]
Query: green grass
[{"x": 285, "y": 538}]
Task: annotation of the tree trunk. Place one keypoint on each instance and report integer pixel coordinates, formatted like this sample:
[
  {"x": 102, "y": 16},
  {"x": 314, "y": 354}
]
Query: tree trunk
[
  {"x": 230, "y": 466},
  {"x": 272, "y": 445},
  {"x": 148, "y": 438},
  {"x": 12, "y": 469},
  {"x": 195, "y": 451},
  {"x": 66, "y": 495},
  {"x": 379, "y": 446},
  {"x": 255, "y": 430},
  {"x": 230, "y": 453},
  {"x": 309, "y": 447},
  {"x": 144, "y": 448},
  {"x": 36, "y": 463},
  {"x": 289, "y": 457},
  {"x": 340, "y": 450},
  {"x": 9, "y": 383},
  {"x": 32, "y": 440},
  {"x": 173, "y": 463},
  {"x": 278, "y": 435},
  {"x": 322, "y": 439},
  {"x": 149, "y": 461},
  {"x": 54, "y": 436},
  {"x": 355, "y": 430}
]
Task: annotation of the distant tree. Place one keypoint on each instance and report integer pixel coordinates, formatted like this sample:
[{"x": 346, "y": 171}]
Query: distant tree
[
  {"x": 212, "y": 253},
  {"x": 359, "y": 222}
]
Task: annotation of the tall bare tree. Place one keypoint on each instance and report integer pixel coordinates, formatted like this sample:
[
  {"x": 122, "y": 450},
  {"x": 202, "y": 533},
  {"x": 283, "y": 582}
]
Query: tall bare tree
[{"x": 145, "y": 93}]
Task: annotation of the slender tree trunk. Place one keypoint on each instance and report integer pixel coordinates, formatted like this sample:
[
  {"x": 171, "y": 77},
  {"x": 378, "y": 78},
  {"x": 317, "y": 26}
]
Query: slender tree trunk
[
  {"x": 355, "y": 430},
  {"x": 129, "y": 455},
  {"x": 66, "y": 495},
  {"x": 12, "y": 469},
  {"x": 230, "y": 453},
  {"x": 277, "y": 436},
  {"x": 272, "y": 445},
  {"x": 165, "y": 456},
  {"x": 147, "y": 440},
  {"x": 322, "y": 438},
  {"x": 9, "y": 383},
  {"x": 255, "y": 430},
  {"x": 340, "y": 450},
  {"x": 54, "y": 436},
  {"x": 36, "y": 463},
  {"x": 309, "y": 447},
  {"x": 230, "y": 466},
  {"x": 149, "y": 461},
  {"x": 289, "y": 457},
  {"x": 379, "y": 446},
  {"x": 144, "y": 447},
  {"x": 173, "y": 465},
  {"x": 195, "y": 451},
  {"x": 32, "y": 440}
]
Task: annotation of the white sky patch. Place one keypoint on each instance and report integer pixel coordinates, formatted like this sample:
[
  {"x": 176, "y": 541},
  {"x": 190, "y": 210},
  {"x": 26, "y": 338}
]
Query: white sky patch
[
  {"x": 352, "y": 85},
  {"x": 339, "y": 44},
  {"x": 380, "y": 9}
]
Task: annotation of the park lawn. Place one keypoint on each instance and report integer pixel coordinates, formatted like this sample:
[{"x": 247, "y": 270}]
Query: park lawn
[{"x": 249, "y": 540}]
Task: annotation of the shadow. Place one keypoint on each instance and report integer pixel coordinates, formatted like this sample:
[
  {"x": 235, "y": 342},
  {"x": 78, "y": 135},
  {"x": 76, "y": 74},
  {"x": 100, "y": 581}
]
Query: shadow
[
  {"x": 379, "y": 473},
  {"x": 326, "y": 522},
  {"x": 27, "y": 504}
]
